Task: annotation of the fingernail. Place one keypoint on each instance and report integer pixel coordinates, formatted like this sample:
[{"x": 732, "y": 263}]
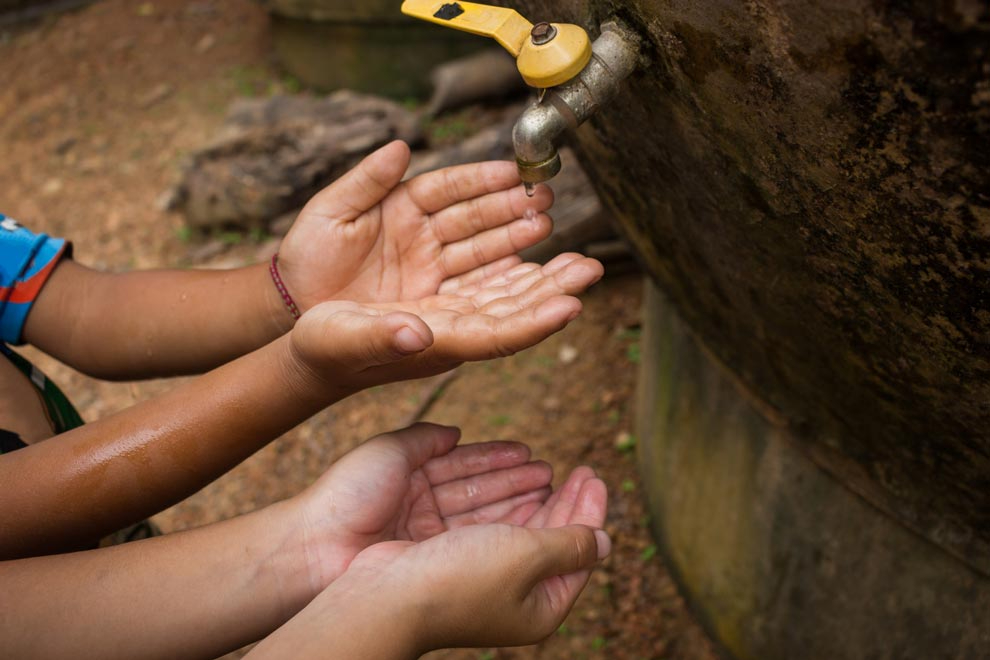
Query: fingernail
[
  {"x": 604, "y": 543},
  {"x": 409, "y": 341}
]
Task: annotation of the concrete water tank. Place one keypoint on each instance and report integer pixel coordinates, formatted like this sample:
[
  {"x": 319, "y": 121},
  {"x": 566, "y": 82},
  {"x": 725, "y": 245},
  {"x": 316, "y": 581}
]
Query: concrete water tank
[{"x": 807, "y": 184}]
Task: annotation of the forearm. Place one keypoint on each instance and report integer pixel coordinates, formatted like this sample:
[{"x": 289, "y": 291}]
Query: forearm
[
  {"x": 196, "y": 594},
  {"x": 154, "y": 323},
  {"x": 346, "y": 622},
  {"x": 81, "y": 485}
]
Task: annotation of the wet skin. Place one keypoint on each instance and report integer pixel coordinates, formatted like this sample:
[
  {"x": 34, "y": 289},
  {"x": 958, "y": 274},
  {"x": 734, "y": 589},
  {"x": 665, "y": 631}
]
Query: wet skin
[{"x": 430, "y": 269}]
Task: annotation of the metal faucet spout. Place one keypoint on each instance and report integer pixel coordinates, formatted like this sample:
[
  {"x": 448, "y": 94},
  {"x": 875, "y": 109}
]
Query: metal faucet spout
[{"x": 535, "y": 135}]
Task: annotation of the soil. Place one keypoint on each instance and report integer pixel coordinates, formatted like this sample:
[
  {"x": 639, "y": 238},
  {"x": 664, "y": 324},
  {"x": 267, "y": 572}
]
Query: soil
[{"x": 100, "y": 105}]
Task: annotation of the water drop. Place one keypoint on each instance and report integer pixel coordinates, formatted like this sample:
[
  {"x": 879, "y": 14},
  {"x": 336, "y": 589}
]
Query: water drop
[
  {"x": 530, "y": 189},
  {"x": 530, "y": 214}
]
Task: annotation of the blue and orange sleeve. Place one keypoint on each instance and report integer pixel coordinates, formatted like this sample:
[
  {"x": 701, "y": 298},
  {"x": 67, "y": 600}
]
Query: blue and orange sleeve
[{"x": 26, "y": 261}]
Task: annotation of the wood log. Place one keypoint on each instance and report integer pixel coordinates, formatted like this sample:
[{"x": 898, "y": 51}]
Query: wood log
[
  {"x": 490, "y": 75},
  {"x": 273, "y": 154},
  {"x": 493, "y": 143}
]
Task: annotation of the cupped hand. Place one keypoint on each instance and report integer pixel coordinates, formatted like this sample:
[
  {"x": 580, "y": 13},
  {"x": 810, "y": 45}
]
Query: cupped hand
[
  {"x": 503, "y": 584},
  {"x": 410, "y": 485},
  {"x": 369, "y": 237},
  {"x": 474, "y": 317}
]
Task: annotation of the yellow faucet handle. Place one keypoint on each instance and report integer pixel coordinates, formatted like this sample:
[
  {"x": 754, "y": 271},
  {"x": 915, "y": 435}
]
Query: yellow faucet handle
[
  {"x": 505, "y": 26},
  {"x": 547, "y": 56}
]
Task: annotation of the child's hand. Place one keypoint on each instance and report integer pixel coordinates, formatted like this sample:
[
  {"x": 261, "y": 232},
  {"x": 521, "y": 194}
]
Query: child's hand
[
  {"x": 413, "y": 484},
  {"x": 370, "y": 238},
  {"x": 473, "y": 318},
  {"x": 480, "y": 585},
  {"x": 500, "y": 584}
]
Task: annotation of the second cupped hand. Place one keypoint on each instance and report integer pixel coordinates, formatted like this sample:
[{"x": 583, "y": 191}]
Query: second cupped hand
[{"x": 410, "y": 485}]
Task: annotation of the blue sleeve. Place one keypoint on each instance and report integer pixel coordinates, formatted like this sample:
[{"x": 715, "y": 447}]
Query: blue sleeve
[{"x": 26, "y": 261}]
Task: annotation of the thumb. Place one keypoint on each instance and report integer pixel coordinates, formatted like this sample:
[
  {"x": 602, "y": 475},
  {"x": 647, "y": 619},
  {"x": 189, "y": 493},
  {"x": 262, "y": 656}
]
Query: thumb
[
  {"x": 357, "y": 339},
  {"x": 421, "y": 442},
  {"x": 365, "y": 185},
  {"x": 566, "y": 550}
]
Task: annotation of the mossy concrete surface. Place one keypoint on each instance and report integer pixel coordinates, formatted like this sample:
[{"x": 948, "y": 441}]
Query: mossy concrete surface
[
  {"x": 780, "y": 559},
  {"x": 809, "y": 183}
]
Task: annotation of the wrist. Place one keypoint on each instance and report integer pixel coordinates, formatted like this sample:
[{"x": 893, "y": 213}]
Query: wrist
[
  {"x": 289, "y": 560},
  {"x": 277, "y": 312},
  {"x": 306, "y": 383},
  {"x": 322, "y": 554},
  {"x": 365, "y": 606}
]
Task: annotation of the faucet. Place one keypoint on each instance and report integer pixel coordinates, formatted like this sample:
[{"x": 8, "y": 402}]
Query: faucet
[
  {"x": 575, "y": 77},
  {"x": 615, "y": 56}
]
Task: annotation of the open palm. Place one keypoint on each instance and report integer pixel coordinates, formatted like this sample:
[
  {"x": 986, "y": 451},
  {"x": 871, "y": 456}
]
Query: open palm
[
  {"x": 411, "y": 485},
  {"x": 509, "y": 582},
  {"x": 472, "y": 318},
  {"x": 371, "y": 238}
]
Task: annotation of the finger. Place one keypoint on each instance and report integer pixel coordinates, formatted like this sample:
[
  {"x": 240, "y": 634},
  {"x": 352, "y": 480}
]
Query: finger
[
  {"x": 508, "y": 511},
  {"x": 437, "y": 190},
  {"x": 421, "y": 442},
  {"x": 557, "y": 590},
  {"x": 552, "y": 267},
  {"x": 523, "y": 277},
  {"x": 520, "y": 515},
  {"x": 477, "y": 337},
  {"x": 513, "y": 274},
  {"x": 358, "y": 337},
  {"x": 493, "y": 244},
  {"x": 363, "y": 186},
  {"x": 465, "y": 495},
  {"x": 591, "y": 504},
  {"x": 494, "y": 286},
  {"x": 574, "y": 279},
  {"x": 563, "y": 499},
  {"x": 474, "y": 216},
  {"x": 570, "y": 493},
  {"x": 480, "y": 274},
  {"x": 469, "y": 460}
]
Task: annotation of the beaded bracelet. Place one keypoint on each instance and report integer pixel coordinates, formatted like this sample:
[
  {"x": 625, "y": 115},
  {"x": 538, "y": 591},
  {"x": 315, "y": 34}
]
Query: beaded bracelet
[{"x": 286, "y": 298}]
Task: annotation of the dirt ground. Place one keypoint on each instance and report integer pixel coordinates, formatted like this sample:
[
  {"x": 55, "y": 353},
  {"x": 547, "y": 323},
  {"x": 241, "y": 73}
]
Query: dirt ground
[{"x": 100, "y": 105}]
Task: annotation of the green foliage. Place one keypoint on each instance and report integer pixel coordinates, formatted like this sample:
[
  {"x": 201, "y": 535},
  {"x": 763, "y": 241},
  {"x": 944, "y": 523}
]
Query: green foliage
[
  {"x": 449, "y": 130},
  {"x": 250, "y": 81},
  {"x": 632, "y": 353},
  {"x": 649, "y": 552},
  {"x": 499, "y": 420},
  {"x": 626, "y": 443},
  {"x": 231, "y": 237},
  {"x": 545, "y": 361},
  {"x": 258, "y": 235},
  {"x": 291, "y": 84}
]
